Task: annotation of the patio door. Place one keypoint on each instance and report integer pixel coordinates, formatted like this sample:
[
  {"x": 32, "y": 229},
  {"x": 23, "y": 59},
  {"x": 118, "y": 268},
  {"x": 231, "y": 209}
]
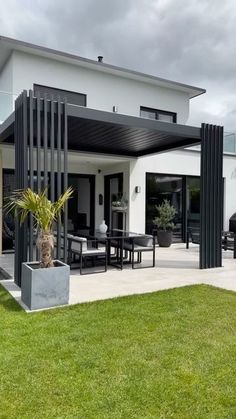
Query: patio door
[
  {"x": 158, "y": 188},
  {"x": 81, "y": 207},
  {"x": 193, "y": 201},
  {"x": 183, "y": 192},
  {"x": 113, "y": 189}
]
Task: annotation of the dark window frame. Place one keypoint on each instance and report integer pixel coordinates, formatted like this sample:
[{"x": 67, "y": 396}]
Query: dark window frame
[
  {"x": 184, "y": 208},
  {"x": 92, "y": 180},
  {"x": 61, "y": 90},
  {"x": 159, "y": 111},
  {"x": 107, "y": 203}
]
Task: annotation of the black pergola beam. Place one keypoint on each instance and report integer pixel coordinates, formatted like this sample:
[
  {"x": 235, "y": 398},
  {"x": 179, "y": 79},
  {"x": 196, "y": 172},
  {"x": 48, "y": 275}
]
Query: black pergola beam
[
  {"x": 117, "y": 134},
  {"x": 133, "y": 122},
  {"x": 211, "y": 196}
]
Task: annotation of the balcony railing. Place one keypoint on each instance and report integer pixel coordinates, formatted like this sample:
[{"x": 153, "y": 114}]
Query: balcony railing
[
  {"x": 230, "y": 142},
  {"x": 7, "y": 101}
]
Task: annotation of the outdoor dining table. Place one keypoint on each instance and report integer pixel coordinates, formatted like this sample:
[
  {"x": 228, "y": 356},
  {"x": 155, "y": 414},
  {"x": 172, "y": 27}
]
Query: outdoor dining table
[{"x": 116, "y": 238}]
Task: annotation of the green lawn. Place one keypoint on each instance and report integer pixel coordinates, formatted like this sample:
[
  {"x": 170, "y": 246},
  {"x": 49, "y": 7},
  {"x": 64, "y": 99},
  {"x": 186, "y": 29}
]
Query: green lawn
[{"x": 170, "y": 354}]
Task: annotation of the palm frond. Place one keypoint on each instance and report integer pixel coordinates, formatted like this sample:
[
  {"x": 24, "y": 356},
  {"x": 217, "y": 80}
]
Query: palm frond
[
  {"x": 59, "y": 204},
  {"x": 44, "y": 212}
]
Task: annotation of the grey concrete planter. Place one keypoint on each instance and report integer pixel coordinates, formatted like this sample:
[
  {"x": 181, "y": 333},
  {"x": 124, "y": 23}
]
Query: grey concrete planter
[
  {"x": 164, "y": 238},
  {"x": 44, "y": 288}
]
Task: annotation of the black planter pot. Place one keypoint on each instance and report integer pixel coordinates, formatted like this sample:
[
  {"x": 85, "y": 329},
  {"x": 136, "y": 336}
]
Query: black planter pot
[{"x": 164, "y": 238}]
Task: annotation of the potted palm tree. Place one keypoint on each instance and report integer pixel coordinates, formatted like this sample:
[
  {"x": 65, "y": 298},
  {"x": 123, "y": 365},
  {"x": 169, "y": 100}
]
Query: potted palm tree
[
  {"x": 44, "y": 283},
  {"x": 164, "y": 223}
]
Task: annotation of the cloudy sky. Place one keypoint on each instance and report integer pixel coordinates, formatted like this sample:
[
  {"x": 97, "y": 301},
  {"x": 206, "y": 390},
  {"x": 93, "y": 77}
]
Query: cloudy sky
[{"x": 191, "y": 41}]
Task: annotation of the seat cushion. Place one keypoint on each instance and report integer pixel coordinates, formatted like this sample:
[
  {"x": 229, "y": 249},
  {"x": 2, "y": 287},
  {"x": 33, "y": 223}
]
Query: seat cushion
[
  {"x": 76, "y": 244},
  {"x": 94, "y": 252},
  {"x": 146, "y": 241},
  {"x": 137, "y": 247}
]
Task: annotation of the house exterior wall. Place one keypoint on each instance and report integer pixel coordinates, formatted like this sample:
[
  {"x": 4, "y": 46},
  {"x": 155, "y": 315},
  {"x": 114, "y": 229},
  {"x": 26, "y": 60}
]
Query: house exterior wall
[
  {"x": 6, "y": 89},
  {"x": 76, "y": 166},
  {"x": 229, "y": 172},
  {"x": 174, "y": 162},
  {"x": 103, "y": 90},
  {"x": 181, "y": 162}
]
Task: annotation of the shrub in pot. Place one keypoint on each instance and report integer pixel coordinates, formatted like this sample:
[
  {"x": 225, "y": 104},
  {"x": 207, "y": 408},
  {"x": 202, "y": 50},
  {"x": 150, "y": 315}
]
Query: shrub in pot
[
  {"x": 120, "y": 203},
  {"x": 44, "y": 283},
  {"x": 164, "y": 223}
]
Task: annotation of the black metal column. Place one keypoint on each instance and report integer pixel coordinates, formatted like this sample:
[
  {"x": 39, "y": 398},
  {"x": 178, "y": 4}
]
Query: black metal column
[
  {"x": 65, "y": 177},
  {"x": 211, "y": 196},
  {"x": 58, "y": 147},
  {"x": 184, "y": 210},
  {"x": 21, "y": 178}
]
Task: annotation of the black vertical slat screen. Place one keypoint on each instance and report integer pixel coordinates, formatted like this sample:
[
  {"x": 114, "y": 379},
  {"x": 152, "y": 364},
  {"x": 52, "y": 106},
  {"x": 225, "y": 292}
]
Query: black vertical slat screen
[
  {"x": 38, "y": 148},
  {"x": 45, "y": 143},
  {"x": 40, "y": 132},
  {"x": 52, "y": 139},
  {"x": 21, "y": 178},
  {"x": 211, "y": 196},
  {"x": 31, "y": 169},
  {"x": 38, "y": 142},
  {"x": 58, "y": 147},
  {"x": 65, "y": 178}
]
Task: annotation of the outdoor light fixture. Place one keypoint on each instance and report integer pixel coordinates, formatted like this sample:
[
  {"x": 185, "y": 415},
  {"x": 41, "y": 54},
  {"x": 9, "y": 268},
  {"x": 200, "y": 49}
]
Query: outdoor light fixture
[
  {"x": 137, "y": 189},
  {"x": 100, "y": 199}
]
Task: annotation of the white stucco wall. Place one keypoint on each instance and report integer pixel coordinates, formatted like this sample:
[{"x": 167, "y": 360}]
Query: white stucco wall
[
  {"x": 75, "y": 165},
  {"x": 6, "y": 90},
  {"x": 103, "y": 90},
  {"x": 180, "y": 163},
  {"x": 134, "y": 171},
  {"x": 174, "y": 162},
  {"x": 229, "y": 170}
]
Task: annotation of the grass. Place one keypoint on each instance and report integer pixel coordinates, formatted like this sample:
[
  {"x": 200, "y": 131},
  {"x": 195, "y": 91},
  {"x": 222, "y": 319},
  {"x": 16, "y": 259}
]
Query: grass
[{"x": 170, "y": 354}]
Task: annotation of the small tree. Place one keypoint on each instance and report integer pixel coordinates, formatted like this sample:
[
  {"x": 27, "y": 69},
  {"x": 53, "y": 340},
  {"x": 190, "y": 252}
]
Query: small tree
[
  {"x": 44, "y": 213},
  {"x": 166, "y": 213}
]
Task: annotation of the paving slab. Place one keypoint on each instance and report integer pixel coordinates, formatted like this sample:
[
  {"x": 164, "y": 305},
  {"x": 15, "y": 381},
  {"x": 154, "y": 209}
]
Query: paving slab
[{"x": 175, "y": 267}]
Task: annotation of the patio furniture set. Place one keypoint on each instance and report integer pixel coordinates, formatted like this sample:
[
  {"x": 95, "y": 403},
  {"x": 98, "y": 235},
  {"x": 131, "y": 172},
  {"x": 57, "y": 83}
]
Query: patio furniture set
[{"x": 116, "y": 248}]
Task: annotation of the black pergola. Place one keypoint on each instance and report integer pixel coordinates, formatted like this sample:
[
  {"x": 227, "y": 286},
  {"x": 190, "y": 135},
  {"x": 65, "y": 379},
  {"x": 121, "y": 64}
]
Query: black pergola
[{"x": 51, "y": 128}]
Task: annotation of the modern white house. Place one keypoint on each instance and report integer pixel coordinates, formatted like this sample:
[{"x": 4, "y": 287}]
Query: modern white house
[{"x": 97, "y": 175}]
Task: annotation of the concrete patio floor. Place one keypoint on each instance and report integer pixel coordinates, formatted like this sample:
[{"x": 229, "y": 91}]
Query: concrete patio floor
[{"x": 175, "y": 267}]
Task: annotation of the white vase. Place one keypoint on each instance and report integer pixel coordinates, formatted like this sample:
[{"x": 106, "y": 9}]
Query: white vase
[{"x": 103, "y": 227}]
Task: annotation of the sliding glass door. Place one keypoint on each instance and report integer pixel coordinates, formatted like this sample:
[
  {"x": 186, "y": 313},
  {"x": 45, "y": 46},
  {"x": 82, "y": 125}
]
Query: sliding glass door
[
  {"x": 183, "y": 192},
  {"x": 159, "y": 188},
  {"x": 81, "y": 207},
  {"x": 113, "y": 188},
  {"x": 193, "y": 201}
]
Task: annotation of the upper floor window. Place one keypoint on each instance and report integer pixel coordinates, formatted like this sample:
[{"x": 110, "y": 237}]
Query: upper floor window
[
  {"x": 71, "y": 97},
  {"x": 157, "y": 114}
]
